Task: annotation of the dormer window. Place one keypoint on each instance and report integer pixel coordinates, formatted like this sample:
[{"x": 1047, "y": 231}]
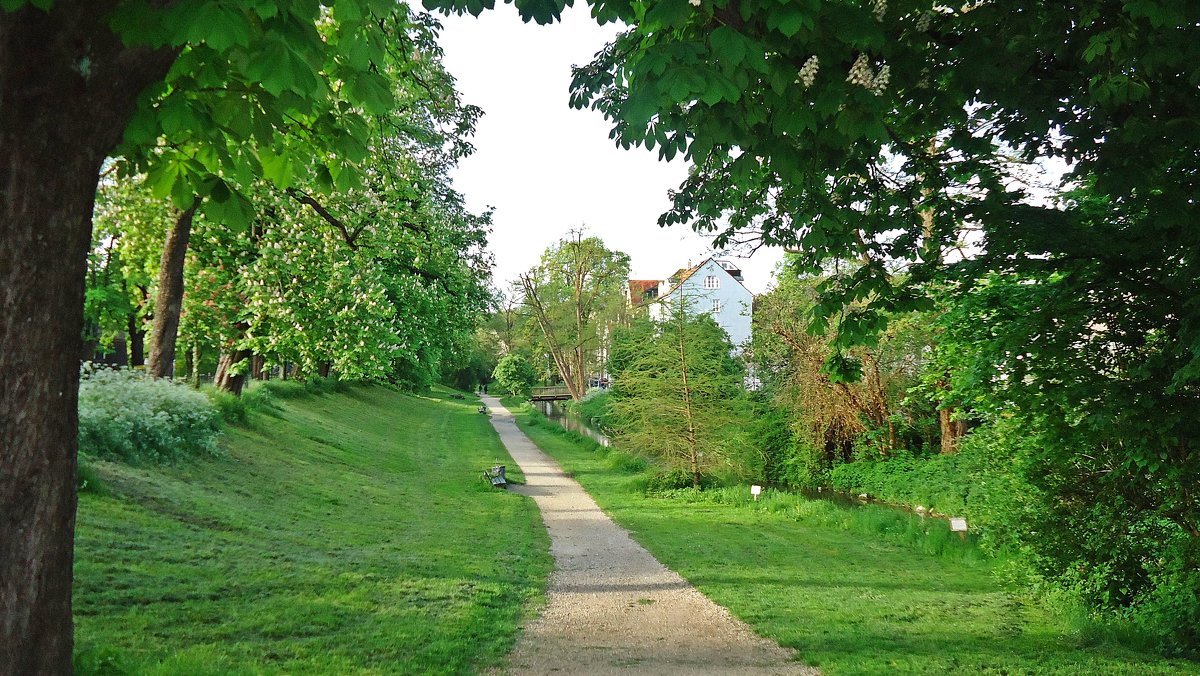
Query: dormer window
[{"x": 712, "y": 282}]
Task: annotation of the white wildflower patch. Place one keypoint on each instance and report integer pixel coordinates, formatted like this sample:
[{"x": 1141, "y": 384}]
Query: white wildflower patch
[{"x": 126, "y": 415}]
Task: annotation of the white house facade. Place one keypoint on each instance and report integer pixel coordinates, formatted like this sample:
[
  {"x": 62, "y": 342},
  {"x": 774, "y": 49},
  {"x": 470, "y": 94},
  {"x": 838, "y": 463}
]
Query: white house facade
[{"x": 714, "y": 287}]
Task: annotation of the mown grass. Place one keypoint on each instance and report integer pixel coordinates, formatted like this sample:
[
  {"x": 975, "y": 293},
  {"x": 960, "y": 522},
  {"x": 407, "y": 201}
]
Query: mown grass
[
  {"x": 854, "y": 591},
  {"x": 337, "y": 533}
]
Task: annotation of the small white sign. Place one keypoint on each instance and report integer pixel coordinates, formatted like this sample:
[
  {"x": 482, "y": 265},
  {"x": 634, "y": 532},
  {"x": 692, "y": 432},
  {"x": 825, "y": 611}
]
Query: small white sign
[
  {"x": 755, "y": 490},
  {"x": 958, "y": 525}
]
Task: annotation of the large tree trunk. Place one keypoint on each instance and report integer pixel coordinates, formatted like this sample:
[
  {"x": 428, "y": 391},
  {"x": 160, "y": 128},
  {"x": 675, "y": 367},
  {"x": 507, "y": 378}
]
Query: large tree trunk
[
  {"x": 58, "y": 120},
  {"x": 226, "y": 379},
  {"x": 169, "y": 303}
]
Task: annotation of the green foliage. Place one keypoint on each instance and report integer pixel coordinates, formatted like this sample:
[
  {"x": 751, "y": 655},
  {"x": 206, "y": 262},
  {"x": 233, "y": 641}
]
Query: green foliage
[
  {"x": 575, "y": 296},
  {"x": 514, "y": 374},
  {"x": 678, "y": 397},
  {"x": 593, "y": 408},
  {"x": 87, "y": 478},
  {"x": 862, "y": 590},
  {"x": 125, "y": 415},
  {"x": 318, "y": 538},
  {"x": 236, "y": 410}
]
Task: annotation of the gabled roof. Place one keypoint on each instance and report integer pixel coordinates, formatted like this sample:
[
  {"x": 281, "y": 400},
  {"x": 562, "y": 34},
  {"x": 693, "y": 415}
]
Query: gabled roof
[
  {"x": 638, "y": 289},
  {"x": 683, "y": 274}
]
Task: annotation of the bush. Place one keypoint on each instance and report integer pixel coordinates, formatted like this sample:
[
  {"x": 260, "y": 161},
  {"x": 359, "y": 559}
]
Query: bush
[
  {"x": 676, "y": 479},
  {"x": 87, "y": 479},
  {"x": 126, "y": 415},
  {"x": 236, "y": 409},
  {"x": 593, "y": 408}
]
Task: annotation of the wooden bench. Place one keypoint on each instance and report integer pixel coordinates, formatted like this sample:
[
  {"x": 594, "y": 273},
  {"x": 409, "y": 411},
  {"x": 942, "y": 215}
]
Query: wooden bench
[{"x": 496, "y": 476}]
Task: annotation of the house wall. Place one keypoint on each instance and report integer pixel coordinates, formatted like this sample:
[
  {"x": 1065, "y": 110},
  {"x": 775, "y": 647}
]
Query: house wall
[{"x": 736, "y": 301}]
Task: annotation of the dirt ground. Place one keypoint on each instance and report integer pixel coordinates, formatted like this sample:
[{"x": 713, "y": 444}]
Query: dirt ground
[{"x": 612, "y": 607}]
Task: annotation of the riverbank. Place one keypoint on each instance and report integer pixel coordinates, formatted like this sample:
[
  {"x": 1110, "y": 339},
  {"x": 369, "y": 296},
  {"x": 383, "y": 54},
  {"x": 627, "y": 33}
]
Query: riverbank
[
  {"x": 337, "y": 533},
  {"x": 851, "y": 602}
]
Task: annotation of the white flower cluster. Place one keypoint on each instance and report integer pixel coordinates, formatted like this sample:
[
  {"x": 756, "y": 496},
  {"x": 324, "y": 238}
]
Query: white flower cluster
[
  {"x": 882, "y": 79},
  {"x": 694, "y": 3},
  {"x": 808, "y": 72},
  {"x": 862, "y": 75},
  {"x": 879, "y": 8}
]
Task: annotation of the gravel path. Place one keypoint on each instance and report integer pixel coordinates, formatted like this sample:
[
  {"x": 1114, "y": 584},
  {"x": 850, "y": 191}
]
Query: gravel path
[{"x": 612, "y": 607}]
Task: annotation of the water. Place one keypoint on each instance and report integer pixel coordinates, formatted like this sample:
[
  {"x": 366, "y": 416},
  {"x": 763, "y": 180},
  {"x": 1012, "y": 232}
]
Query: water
[{"x": 556, "y": 411}]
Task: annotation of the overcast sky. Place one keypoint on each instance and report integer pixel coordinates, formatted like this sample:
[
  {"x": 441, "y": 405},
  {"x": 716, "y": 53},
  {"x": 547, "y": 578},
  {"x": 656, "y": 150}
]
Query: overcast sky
[{"x": 547, "y": 168}]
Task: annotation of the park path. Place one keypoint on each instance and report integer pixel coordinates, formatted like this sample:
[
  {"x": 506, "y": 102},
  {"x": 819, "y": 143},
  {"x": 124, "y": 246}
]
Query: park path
[{"x": 612, "y": 607}]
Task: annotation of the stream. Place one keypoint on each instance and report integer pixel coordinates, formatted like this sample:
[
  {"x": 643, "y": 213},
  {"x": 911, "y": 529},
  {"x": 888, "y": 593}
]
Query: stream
[{"x": 569, "y": 420}]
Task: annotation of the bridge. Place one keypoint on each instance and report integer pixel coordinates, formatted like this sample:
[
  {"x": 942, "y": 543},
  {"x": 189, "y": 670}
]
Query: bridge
[{"x": 552, "y": 393}]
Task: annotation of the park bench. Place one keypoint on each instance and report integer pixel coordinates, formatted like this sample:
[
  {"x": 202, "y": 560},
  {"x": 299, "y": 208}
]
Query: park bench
[{"x": 496, "y": 476}]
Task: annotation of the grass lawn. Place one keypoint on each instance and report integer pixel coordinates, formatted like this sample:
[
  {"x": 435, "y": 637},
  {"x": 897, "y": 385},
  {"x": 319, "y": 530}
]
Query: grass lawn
[
  {"x": 854, "y": 591},
  {"x": 338, "y": 533}
]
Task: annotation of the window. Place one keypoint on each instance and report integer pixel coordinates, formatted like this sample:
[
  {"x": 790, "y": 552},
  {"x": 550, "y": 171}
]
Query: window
[
  {"x": 716, "y": 305},
  {"x": 711, "y": 282}
]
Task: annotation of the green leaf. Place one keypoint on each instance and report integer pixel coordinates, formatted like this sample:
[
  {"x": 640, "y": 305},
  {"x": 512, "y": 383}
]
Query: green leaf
[
  {"x": 228, "y": 207},
  {"x": 789, "y": 19},
  {"x": 541, "y": 11},
  {"x": 669, "y": 13},
  {"x": 728, "y": 46},
  {"x": 374, "y": 92}
]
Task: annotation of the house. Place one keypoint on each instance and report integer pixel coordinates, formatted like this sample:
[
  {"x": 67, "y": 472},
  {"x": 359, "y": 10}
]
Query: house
[{"x": 714, "y": 287}]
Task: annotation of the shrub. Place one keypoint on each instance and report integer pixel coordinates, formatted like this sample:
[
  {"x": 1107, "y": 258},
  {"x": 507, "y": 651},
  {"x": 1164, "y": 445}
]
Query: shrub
[
  {"x": 87, "y": 479},
  {"x": 593, "y": 408},
  {"x": 126, "y": 415},
  {"x": 236, "y": 409},
  {"x": 626, "y": 462}
]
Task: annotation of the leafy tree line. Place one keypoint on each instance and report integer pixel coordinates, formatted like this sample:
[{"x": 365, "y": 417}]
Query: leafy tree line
[{"x": 274, "y": 183}]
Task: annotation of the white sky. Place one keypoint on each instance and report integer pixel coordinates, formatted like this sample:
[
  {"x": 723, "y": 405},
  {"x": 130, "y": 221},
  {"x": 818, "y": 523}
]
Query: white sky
[{"x": 547, "y": 168}]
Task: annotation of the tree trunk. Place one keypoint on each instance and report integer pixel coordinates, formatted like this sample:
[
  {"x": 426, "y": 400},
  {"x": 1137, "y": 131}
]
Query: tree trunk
[
  {"x": 225, "y": 379},
  {"x": 58, "y": 120},
  {"x": 194, "y": 374},
  {"x": 137, "y": 335},
  {"x": 120, "y": 350},
  {"x": 951, "y": 430},
  {"x": 169, "y": 303},
  {"x": 258, "y": 370}
]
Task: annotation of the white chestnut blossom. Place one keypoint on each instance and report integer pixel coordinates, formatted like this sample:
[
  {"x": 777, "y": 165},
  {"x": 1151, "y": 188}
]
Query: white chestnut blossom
[
  {"x": 881, "y": 80},
  {"x": 861, "y": 73},
  {"x": 808, "y": 72}
]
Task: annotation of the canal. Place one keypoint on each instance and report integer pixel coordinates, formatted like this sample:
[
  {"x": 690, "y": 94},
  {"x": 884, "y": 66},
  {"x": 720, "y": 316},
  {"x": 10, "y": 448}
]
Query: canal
[{"x": 569, "y": 420}]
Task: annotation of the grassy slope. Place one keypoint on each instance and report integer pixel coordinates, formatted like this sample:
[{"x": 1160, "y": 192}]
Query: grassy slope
[
  {"x": 849, "y": 603},
  {"x": 344, "y": 534}
]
